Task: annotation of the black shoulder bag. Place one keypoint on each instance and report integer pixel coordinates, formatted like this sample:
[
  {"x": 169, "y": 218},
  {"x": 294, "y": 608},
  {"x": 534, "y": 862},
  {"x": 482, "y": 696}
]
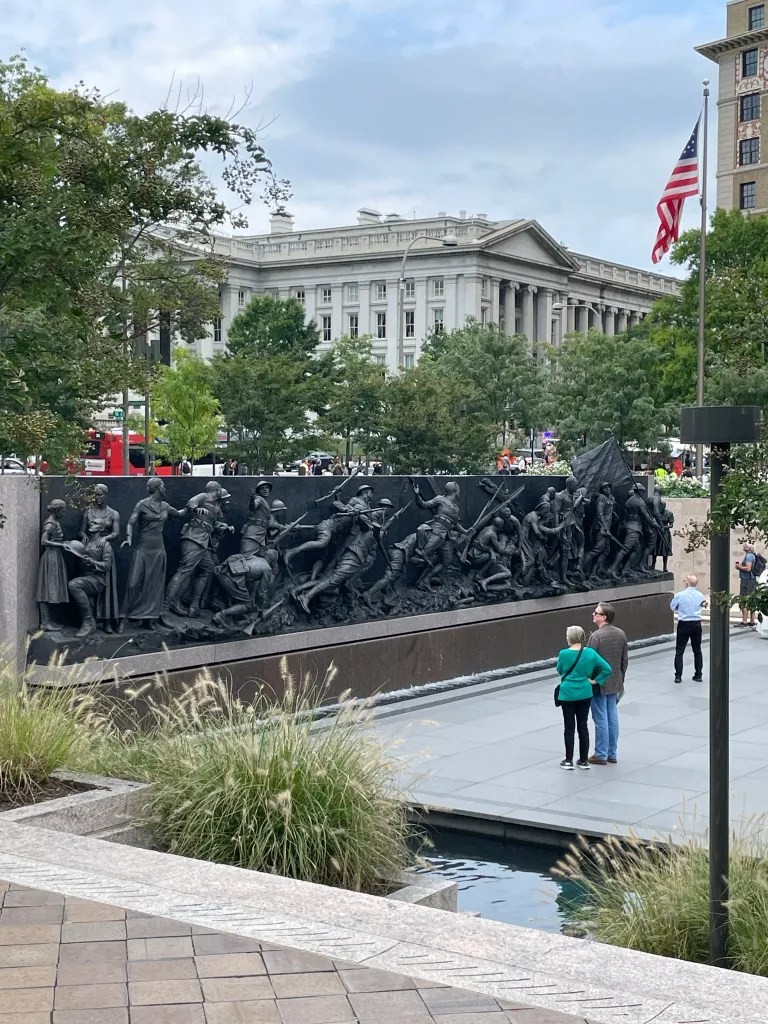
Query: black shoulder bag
[{"x": 558, "y": 702}]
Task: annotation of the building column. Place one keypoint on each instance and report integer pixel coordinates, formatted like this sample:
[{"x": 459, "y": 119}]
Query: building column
[
  {"x": 363, "y": 308},
  {"x": 621, "y": 323},
  {"x": 449, "y": 307},
  {"x": 392, "y": 331},
  {"x": 563, "y": 322},
  {"x": 494, "y": 283},
  {"x": 420, "y": 318},
  {"x": 609, "y": 321},
  {"x": 229, "y": 309},
  {"x": 473, "y": 297},
  {"x": 529, "y": 291},
  {"x": 582, "y": 319},
  {"x": 510, "y": 308},
  {"x": 338, "y": 327},
  {"x": 571, "y": 316},
  {"x": 634, "y": 318},
  {"x": 544, "y": 304}
]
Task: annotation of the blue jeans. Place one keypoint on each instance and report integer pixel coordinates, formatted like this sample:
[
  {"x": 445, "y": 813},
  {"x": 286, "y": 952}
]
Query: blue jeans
[{"x": 605, "y": 715}]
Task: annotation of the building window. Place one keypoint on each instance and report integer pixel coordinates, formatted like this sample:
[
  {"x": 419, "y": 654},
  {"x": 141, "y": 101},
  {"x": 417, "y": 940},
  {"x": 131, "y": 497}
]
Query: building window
[
  {"x": 326, "y": 323},
  {"x": 438, "y": 288},
  {"x": 484, "y": 287},
  {"x": 381, "y": 291},
  {"x": 410, "y": 324},
  {"x": 381, "y": 325},
  {"x": 410, "y": 290},
  {"x": 437, "y": 320},
  {"x": 217, "y": 327},
  {"x": 354, "y": 325},
  {"x": 380, "y": 360},
  {"x": 749, "y": 107},
  {"x": 409, "y": 361},
  {"x": 749, "y": 63},
  {"x": 326, "y": 295},
  {"x": 300, "y": 294},
  {"x": 757, "y": 17},
  {"x": 241, "y": 298},
  {"x": 749, "y": 152},
  {"x": 748, "y": 195},
  {"x": 353, "y": 294}
]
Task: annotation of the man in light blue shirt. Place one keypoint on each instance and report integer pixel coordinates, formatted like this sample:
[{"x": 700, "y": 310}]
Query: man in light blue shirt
[{"x": 688, "y": 604}]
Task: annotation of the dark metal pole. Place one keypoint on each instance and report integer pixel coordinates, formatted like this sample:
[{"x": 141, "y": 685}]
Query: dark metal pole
[
  {"x": 719, "y": 824},
  {"x": 700, "y": 352}
]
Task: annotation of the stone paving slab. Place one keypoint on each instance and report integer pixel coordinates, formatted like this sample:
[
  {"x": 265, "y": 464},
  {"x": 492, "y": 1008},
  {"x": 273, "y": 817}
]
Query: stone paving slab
[
  {"x": 493, "y": 751},
  {"x": 237, "y": 911},
  {"x": 86, "y": 968}
]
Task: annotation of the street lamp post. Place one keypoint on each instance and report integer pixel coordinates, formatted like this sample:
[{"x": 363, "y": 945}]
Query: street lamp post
[
  {"x": 449, "y": 241},
  {"x": 719, "y": 426},
  {"x": 558, "y": 307}
]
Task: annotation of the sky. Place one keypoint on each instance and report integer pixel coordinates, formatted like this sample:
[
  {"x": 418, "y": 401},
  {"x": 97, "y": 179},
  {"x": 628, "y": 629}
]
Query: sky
[{"x": 570, "y": 112}]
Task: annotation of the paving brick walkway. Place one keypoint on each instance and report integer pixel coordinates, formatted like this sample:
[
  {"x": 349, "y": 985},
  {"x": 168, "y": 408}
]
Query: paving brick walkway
[{"x": 65, "y": 960}]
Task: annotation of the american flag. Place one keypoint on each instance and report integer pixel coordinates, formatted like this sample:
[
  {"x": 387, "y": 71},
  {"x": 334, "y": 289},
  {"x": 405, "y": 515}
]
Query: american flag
[{"x": 683, "y": 182}]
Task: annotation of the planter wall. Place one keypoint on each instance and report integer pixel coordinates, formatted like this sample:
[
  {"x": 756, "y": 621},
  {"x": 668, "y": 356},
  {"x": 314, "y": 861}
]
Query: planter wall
[
  {"x": 115, "y": 810},
  {"x": 697, "y": 562}
]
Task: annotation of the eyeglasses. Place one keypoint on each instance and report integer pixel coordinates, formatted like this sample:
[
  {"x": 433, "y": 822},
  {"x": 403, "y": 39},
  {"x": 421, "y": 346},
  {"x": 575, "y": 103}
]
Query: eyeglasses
[{"x": 598, "y": 611}]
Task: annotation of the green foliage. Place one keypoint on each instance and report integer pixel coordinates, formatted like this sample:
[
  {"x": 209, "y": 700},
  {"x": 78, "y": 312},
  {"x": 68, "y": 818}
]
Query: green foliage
[
  {"x": 501, "y": 368},
  {"x": 41, "y": 730},
  {"x": 672, "y": 487},
  {"x": 269, "y": 787},
  {"x": 182, "y": 396},
  {"x": 436, "y": 422},
  {"x": 356, "y": 394},
  {"x": 105, "y": 224},
  {"x": 600, "y": 386},
  {"x": 268, "y": 382},
  {"x": 657, "y": 900},
  {"x": 736, "y": 318}
]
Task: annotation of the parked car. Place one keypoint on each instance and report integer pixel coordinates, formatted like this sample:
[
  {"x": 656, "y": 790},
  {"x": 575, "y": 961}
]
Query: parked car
[
  {"x": 324, "y": 457},
  {"x": 12, "y": 465}
]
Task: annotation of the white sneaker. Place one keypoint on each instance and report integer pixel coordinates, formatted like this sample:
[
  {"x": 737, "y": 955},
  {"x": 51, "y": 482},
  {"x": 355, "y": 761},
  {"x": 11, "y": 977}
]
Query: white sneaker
[
  {"x": 566, "y": 765},
  {"x": 584, "y": 765}
]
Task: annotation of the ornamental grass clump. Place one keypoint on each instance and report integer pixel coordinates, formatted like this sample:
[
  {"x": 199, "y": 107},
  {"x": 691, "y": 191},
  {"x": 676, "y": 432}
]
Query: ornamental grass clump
[
  {"x": 286, "y": 788},
  {"x": 656, "y": 899},
  {"x": 42, "y": 729}
]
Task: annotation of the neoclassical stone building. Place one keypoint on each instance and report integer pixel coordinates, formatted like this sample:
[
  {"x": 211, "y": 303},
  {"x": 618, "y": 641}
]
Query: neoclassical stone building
[{"x": 508, "y": 272}]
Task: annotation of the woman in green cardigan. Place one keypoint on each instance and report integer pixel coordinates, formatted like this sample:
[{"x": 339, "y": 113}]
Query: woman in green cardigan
[{"x": 578, "y": 667}]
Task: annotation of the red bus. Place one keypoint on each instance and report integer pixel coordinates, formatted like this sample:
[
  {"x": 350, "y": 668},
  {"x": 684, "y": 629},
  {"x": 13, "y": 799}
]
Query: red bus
[{"x": 104, "y": 455}]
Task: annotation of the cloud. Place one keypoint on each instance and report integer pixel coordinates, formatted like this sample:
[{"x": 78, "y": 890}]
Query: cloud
[{"x": 571, "y": 112}]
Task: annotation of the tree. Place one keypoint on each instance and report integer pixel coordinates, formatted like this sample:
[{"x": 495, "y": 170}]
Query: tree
[
  {"x": 105, "y": 224},
  {"x": 736, "y": 323},
  {"x": 182, "y": 396},
  {"x": 356, "y": 394},
  {"x": 269, "y": 381},
  {"x": 502, "y": 369},
  {"x": 435, "y": 422},
  {"x": 600, "y": 386}
]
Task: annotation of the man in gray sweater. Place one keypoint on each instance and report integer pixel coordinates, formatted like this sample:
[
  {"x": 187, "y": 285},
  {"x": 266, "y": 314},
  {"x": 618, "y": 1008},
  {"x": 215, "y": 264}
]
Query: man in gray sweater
[{"x": 610, "y": 642}]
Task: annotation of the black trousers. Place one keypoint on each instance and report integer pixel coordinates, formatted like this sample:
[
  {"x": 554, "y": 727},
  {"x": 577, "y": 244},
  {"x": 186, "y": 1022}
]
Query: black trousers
[
  {"x": 688, "y": 631},
  {"x": 576, "y": 716}
]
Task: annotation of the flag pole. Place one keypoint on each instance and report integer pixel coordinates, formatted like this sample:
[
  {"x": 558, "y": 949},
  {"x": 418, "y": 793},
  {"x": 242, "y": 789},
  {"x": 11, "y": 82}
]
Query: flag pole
[{"x": 702, "y": 271}]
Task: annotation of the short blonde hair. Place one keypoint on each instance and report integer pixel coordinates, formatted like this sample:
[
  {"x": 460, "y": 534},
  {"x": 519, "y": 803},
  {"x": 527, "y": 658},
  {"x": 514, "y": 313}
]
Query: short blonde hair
[{"x": 575, "y": 635}]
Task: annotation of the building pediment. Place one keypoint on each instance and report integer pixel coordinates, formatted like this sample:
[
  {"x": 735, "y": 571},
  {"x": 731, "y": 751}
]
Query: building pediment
[{"x": 528, "y": 241}]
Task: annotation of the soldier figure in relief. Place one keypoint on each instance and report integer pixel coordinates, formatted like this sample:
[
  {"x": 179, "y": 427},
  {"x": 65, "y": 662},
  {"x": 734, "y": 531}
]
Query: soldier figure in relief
[{"x": 596, "y": 560}]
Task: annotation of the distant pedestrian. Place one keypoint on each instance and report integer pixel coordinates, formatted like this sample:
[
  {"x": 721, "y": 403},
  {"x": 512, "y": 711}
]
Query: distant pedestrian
[
  {"x": 337, "y": 468},
  {"x": 747, "y": 583},
  {"x": 610, "y": 642},
  {"x": 230, "y": 467},
  {"x": 186, "y": 467},
  {"x": 578, "y": 666},
  {"x": 688, "y": 604}
]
